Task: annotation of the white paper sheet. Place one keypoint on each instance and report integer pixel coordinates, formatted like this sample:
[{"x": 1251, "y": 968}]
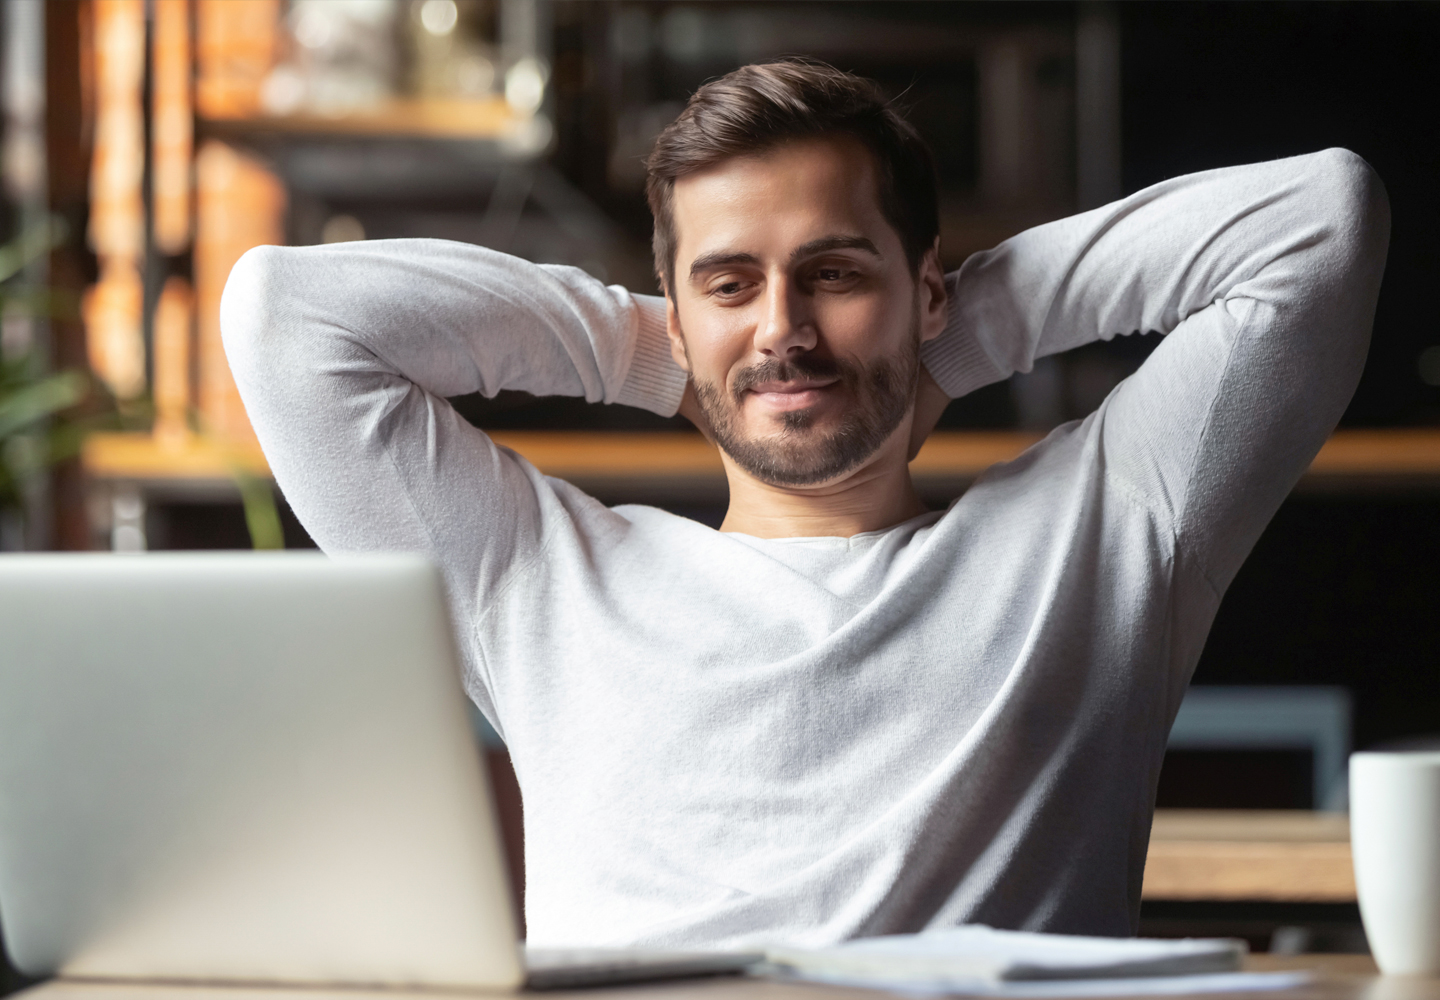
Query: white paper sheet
[
  {"x": 1064, "y": 989},
  {"x": 979, "y": 953}
]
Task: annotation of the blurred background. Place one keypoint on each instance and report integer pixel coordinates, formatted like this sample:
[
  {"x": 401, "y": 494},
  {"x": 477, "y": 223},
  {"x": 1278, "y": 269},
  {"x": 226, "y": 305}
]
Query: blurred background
[{"x": 148, "y": 143}]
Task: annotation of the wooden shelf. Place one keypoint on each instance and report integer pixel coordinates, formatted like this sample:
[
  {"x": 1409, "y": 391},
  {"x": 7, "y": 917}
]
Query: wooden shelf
[
  {"x": 143, "y": 457},
  {"x": 966, "y": 454},
  {"x": 587, "y": 455},
  {"x": 1289, "y": 856},
  {"x": 429, "y": 118},
  {"x": 604, "y": 454},
  {"x": 581, "y": 455},
  {"x": 637, "y": 457},
  {"x": 1401, "y": 451}
]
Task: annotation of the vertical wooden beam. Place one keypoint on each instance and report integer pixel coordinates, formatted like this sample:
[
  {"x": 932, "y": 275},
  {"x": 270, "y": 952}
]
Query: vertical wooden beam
[
  {"x": 239, "y": 204},
  {"x": 174, "y": 335},
  {"x": 67, "y": 138},
  {"x": 172, "y": 127},
  {"x": 235, "y": 44},
  {"x": 114, "y": 305}
]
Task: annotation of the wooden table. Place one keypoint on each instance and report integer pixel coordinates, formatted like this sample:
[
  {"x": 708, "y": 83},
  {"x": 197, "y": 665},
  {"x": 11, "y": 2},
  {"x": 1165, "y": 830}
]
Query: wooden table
[
  {"x": 1271, "y": 856},
  {"x": 1337, "y": 977}
]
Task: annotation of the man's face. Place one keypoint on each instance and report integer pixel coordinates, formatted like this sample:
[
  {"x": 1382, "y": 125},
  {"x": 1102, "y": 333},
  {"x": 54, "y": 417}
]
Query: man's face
[{"x": 795, "y": 310}]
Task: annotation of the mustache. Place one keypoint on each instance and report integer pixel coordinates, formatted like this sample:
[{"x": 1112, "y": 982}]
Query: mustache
[{"x": 803, "y": 367}]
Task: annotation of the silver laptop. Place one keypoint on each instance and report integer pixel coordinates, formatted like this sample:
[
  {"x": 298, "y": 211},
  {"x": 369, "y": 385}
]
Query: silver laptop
[{"x": 254, "y": 768}]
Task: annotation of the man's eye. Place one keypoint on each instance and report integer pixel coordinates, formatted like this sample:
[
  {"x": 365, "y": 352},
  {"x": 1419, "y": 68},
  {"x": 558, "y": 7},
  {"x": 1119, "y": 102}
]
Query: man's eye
[{"x": 729, "y": 288}]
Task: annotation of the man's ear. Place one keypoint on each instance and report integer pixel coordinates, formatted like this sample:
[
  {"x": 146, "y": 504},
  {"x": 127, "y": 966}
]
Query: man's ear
[
  {"x": 672, "y": 330},
  {"x": 930, "y": 283}
]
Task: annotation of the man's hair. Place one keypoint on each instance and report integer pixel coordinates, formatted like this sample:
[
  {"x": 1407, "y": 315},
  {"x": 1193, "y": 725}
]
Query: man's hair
[{"x": 758, "y": 107}]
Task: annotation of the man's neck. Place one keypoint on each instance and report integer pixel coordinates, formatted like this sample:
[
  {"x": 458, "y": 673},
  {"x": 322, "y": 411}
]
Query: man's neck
[{"x": 877, "y": 495}]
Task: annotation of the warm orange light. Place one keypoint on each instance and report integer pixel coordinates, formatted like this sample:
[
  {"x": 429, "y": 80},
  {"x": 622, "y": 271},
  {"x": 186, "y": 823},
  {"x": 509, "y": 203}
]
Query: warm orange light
[
  {"x": 113, "y": 308},
  {"x": 117, "y": 220},
  {"x": 171, "y": 126},
  {"x": 235, "y": 43},
  {"x": 239, "y": 204},
  {"x": 174, "y": 323}
]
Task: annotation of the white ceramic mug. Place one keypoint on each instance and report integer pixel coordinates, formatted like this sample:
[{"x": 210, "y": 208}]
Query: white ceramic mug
[{"x": 1395, "y": 837}]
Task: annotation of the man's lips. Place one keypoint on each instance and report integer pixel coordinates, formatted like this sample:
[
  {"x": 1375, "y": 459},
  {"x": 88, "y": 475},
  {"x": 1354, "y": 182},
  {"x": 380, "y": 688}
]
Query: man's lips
[{"x": 794, "y": 395}]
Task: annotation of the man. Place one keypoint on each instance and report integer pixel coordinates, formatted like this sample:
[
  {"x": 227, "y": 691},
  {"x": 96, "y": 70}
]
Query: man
[{"x": 841, "y": 714}]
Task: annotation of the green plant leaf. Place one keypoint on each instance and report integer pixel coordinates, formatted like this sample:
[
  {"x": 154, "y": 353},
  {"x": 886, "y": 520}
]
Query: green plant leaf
[
  {"x": 29, "y": 404},
  {"x": 262, "y": 517},
  {"x": 30, "y": 245}
]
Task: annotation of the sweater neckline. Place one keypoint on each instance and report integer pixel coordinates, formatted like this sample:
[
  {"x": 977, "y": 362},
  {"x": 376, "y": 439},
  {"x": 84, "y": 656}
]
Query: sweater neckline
[{"x": 918, "y": 521}]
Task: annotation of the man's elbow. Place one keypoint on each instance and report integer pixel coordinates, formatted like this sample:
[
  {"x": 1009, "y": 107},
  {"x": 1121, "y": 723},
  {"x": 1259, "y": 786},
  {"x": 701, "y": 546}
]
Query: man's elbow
[
  {"x": 252, "y": 307},
  {"x": 1357, "y": 207}
]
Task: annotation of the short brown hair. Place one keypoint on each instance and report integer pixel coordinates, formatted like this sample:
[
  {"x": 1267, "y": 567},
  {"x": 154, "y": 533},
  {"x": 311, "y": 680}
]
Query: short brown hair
[{"x": 756, "y": 107}]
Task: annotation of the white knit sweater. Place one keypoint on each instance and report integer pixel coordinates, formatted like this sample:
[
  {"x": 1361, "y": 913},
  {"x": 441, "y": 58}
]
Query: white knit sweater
[{"x": 723, "y": 739}]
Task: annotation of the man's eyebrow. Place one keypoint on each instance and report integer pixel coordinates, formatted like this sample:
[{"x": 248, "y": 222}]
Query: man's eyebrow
[
  {"x": 724, "y": 258},
  {"x": 827, "y": 243},
  {"x": 720, "y": 258}
]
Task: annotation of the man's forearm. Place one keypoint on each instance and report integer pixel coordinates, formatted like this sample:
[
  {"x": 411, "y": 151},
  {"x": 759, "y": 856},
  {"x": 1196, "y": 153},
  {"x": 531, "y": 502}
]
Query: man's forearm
[
  {"x": 448, "y": 317},
  {"x": 343, "y": 354},
  {"x": 1147, "y": 262}
]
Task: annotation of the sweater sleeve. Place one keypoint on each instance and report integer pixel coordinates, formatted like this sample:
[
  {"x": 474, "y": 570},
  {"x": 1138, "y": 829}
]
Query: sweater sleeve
[
  {"x": 344, "y": 355},
  {"x": 1265, "y": 279}
]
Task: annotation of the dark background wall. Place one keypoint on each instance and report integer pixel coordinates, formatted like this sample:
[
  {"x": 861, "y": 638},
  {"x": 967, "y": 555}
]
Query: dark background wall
[{"x": 1208, "y": 84}]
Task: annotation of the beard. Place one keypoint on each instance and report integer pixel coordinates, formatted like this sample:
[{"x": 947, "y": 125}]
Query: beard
[{"x": 800, "y": 455}]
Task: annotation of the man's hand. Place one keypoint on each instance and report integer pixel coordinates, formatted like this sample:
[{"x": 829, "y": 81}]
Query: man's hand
[{"x": 930, "y": 402}]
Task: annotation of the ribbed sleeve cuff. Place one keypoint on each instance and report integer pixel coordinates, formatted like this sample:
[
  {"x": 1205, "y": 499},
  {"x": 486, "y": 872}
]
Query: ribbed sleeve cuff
[
  {"x": 654, "y": 382},
  {"x": 956, "y": 360}
]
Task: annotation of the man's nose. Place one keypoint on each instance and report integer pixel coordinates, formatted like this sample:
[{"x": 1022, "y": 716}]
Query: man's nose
[{"x": 787, "y": 328}]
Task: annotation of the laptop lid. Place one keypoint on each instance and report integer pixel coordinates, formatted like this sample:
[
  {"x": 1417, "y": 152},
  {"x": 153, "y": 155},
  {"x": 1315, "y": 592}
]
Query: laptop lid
[{"x": 243, "y": 767}]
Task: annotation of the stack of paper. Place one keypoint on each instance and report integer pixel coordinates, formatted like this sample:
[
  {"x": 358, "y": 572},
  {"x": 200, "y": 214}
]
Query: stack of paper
[{"x": 977, "y": 959}]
